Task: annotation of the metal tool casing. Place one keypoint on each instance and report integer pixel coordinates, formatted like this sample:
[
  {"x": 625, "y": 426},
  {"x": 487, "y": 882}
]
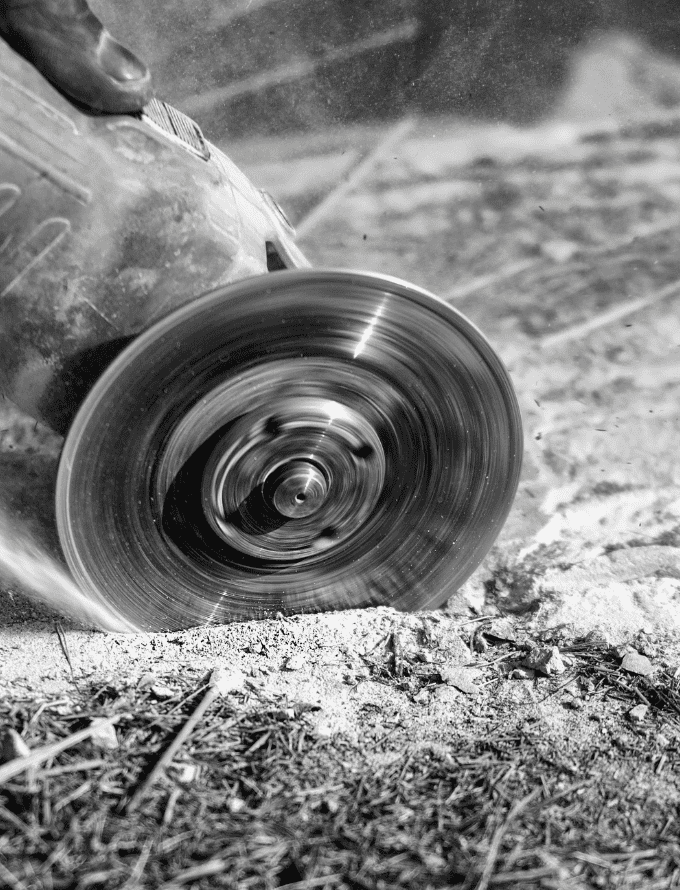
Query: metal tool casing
[{"x": 107, "y": 224}]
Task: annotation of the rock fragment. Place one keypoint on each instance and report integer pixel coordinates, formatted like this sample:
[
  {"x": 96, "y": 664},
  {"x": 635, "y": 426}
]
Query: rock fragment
[
  {"x": 635, "y": 663},
  {"x": 501, "y": 629},
  {"x": 461, "y": 677},
  {"x": 103, "y": 735},
  {"x": 638, "y": 713},
  {"x": 522, "y": 673},
  {"x": 545, "y": 660}
]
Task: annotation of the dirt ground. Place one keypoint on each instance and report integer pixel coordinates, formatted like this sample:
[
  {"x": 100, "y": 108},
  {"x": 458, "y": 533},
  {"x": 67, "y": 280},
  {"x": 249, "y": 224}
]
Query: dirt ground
[{"x": 527, "y": 734}]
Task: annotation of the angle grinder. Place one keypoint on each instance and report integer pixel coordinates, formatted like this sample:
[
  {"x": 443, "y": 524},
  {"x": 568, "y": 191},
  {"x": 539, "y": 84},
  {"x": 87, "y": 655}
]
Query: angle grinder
[{"x": 244, "y": 435}]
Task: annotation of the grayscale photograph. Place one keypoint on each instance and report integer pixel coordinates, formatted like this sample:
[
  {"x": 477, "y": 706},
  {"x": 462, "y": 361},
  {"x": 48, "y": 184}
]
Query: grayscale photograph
[{"x": 339, "y": 436}]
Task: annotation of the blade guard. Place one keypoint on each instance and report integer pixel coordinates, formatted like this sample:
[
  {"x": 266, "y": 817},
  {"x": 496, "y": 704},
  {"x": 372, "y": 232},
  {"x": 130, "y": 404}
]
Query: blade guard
[{"x": 107, "y": 224}]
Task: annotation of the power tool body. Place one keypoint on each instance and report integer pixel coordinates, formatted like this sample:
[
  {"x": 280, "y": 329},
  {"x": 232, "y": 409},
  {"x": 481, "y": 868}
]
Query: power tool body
[{"x": 244, "y": 435}]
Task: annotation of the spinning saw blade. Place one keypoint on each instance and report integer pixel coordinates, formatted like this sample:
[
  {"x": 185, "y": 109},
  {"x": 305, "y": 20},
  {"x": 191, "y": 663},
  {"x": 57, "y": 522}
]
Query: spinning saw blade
[{"x": 302, "y": 441}]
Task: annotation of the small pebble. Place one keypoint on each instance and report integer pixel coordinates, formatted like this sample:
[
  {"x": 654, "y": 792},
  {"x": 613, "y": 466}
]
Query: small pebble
[
  {"x": 236, "y": 805},
  {"x": 103, "y": 735},
  {"x": 637, "y": 664},
  {"x": 597, "y": 639},
  {"x": 501, "y": 629},
  {"x": 522, "y": 673},
  {"x": 546, "y": 660},
  {"x": 161, "y": 692},
  {"x": 638, "y": 713},
  {"x": 461, "y": 677}
]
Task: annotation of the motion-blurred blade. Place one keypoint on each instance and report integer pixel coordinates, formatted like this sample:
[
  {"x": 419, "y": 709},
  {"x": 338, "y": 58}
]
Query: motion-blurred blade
[{"x": 301, "y": 441}]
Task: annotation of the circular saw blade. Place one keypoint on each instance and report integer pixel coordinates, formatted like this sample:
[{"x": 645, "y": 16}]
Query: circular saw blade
[{"x": 302, "y": 441}]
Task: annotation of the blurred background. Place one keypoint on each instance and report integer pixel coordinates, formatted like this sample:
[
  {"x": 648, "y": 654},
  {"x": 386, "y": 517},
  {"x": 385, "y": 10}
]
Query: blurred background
[{"x": 242, "y": 67}]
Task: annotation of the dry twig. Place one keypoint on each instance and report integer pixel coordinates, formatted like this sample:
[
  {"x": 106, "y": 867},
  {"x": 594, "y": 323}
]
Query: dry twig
[{"x": 221, "y": 682}]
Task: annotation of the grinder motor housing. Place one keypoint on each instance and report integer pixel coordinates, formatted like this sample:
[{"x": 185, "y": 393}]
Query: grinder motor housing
[{"x": 107, "y": 224}]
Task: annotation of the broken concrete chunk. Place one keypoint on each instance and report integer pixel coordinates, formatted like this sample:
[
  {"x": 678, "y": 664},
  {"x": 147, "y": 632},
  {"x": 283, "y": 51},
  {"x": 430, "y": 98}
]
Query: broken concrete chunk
[
  {"x": 638, "y": 713},
  {"x": 545, "y": 660},
  {"x": 12, "y": 746},
  {"x": 461, "y": 677},
  {"x": 637, "y": 664},
  {"x": 501, "y": 629},
  {"x": 103, "y": 735}
]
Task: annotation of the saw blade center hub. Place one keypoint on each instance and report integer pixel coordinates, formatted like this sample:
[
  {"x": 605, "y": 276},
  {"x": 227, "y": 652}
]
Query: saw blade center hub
[{"x": 299, "y": 489}]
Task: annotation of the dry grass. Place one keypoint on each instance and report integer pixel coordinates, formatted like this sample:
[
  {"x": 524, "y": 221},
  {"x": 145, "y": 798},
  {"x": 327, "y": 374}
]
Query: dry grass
[{"x": 257, "y": 798}]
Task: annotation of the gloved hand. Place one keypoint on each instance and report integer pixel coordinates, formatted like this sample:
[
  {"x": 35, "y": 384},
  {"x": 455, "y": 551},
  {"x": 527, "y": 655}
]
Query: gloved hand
[{"x": 69, "y": 45}]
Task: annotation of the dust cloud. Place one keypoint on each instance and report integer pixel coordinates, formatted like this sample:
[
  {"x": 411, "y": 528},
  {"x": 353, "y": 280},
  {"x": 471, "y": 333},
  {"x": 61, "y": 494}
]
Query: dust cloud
[{"x": 24, "y": 563}]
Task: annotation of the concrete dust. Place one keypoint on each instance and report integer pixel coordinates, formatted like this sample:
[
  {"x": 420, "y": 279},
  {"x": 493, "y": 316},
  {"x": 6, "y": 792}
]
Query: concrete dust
[{"x": 24, "y": 562}]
